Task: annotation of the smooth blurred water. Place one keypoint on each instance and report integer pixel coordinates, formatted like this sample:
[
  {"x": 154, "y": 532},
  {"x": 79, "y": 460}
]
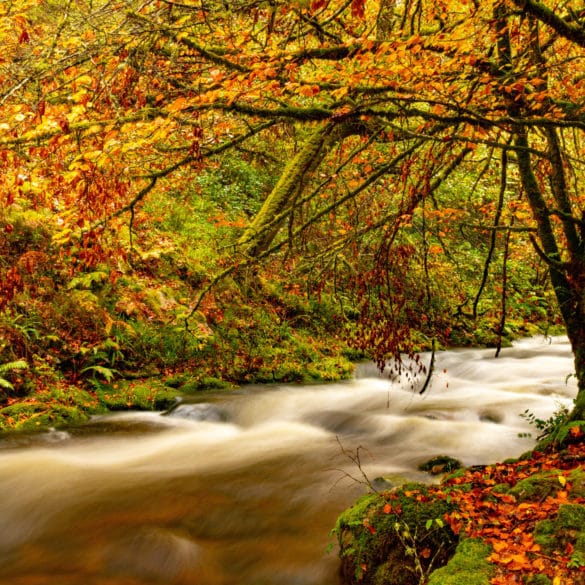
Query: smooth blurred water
[{"x": 243, "y": 488}]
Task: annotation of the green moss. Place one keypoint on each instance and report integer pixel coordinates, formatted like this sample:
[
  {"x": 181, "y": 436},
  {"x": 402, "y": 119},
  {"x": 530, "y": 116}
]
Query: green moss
[
  {"x": 469, "y": 566},
  {"x": 28, "y": 417},
  {"x": 61, "y": 406},
  {"x": 440, "y": 464},
  {"x": 566, "y": 530},
  {"x": 577, "y": 480},
  {"x": 538, "y": 580},
  {"x": 538, "y": 486},
  {"x": 203, "y": 383},
  {"x": 143, "y": 395}
]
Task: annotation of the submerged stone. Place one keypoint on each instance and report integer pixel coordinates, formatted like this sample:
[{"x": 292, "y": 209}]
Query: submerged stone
[{"x": 440, "y": 464}]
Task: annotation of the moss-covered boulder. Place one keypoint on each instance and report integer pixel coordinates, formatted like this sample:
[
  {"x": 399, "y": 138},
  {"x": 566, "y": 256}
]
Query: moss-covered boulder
[
  {"x": 520, "y": 521},
  {"x": 147, "y": 394},
  {"x": 26, "y": 416},
  {"x": 537, "y": 486},
  {"x": 564, "y": 534},
  {"x": 440, "y": 464},
  {"x": 394, "y": 538},
  {"x": 61, "y": 406}
]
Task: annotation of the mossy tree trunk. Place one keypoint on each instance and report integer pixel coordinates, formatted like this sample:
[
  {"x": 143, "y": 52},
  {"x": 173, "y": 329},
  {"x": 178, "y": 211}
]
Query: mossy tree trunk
[
  {"x": 559, "y": 242},
  {"x": 567, "y": 273},
  {"x": 280, "y": 203},
  {"x": 260, "y": 233}
]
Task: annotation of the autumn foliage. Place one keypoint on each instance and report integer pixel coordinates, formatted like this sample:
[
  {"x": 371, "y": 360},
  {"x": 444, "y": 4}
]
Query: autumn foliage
[
  {"x": 507, "y": 521},
  {"x": 425, "y": 162},
  {"x": 526, "y": 514}
]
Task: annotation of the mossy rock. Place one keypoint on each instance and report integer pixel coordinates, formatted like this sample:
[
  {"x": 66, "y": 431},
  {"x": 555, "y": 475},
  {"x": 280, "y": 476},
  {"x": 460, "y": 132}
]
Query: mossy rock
[
  {"x": 193, "y": 385},
  {"x": 576, "y": 478},
  {"x": 330, "y": 369},
  {"x": 440, "y": 464},
  {"x": 141, "y": 395},
  {"x": 59, "y": 407},
  {"x": 538, "y": 486},
  {"x": 40, "y": 416},
  {"x": 567, "y": 529},
  {"x": 469, "y": 565},
  {"x": 538, "y": 580},
  {"x": 383, "y": 536}
]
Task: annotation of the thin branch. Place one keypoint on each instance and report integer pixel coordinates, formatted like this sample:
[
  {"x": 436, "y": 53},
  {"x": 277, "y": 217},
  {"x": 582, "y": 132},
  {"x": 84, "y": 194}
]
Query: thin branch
[
  {"x": 569, "y": 30},
  {"x": 431, "y": 368}
]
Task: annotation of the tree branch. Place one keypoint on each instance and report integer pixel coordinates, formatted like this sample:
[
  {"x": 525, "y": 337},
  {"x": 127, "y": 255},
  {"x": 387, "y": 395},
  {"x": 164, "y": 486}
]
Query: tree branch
[{"x": 570, "y": 31}]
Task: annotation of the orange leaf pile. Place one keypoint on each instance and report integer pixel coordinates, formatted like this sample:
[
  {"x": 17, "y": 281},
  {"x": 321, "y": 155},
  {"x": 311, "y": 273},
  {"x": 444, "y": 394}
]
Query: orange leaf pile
[{"x": 507, "y": 522}]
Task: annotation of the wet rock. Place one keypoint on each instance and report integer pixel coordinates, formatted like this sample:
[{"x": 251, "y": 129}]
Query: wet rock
[
  {"x": 440, "y": 464},
  {"x": 198, "y": 412}
]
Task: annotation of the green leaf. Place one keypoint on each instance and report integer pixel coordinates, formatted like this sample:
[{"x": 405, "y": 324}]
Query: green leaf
[{"x": 6, "y": 384}]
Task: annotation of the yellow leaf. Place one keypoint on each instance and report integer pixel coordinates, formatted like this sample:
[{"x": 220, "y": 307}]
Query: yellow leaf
[
  {"x": 562, "y": 480},
  {"x": 179, "y": 104}
]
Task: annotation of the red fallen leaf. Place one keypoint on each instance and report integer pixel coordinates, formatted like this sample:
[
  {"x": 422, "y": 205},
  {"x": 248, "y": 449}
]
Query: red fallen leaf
[
  {"x": 425, "y": 553},
  {"x": 64, "y": 125},
  {"x": 387, "y": 509},
  {"x": 575, "y": 432}
]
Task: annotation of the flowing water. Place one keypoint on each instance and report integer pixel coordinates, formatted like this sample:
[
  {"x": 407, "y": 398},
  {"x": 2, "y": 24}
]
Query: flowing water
[{"x": 242, "y": 488}]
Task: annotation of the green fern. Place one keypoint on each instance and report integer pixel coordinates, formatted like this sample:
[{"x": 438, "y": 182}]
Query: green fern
[
  {"x": 107, "y": 373},
  {"x": 7, "y": 368}
]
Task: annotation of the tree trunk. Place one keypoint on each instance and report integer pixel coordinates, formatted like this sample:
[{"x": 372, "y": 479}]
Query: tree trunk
[
  {"x": 258, "y": 236},
  {"x": 567, "y": 277},
  {"x": 578, "y": 345},
  {"x": 260, "y": 233}
]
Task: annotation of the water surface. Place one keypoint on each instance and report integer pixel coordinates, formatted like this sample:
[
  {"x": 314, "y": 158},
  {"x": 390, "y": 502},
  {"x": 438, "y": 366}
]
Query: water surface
[{"x": 243, "y": 488}]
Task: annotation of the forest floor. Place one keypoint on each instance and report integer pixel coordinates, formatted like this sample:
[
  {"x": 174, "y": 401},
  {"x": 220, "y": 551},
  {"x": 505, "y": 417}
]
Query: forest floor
[
  {"x": 516, "y": 522},
  {"x": 530, "y": 512}
]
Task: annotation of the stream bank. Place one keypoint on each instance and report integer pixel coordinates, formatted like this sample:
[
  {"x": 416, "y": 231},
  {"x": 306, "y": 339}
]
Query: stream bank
[{"x": 522, "y": 521}]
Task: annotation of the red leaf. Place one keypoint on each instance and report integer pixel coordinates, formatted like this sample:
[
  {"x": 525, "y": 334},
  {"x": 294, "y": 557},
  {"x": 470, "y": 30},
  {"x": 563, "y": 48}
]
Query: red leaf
[
  {"x": 318, "y": 4},
  {"x": 358, "y": 9}
]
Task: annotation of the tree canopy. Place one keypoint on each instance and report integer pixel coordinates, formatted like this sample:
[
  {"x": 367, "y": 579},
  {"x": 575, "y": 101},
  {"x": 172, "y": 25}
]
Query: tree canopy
[{"x": 388, "y": 120}]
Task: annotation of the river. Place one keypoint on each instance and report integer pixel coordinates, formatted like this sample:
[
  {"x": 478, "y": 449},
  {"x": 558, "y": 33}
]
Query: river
[{"x": 243, "y": 488}]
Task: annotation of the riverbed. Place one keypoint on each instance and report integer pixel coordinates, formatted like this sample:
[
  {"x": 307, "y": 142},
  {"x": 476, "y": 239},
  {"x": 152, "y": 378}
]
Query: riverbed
[{"x": 242, "y": 488}]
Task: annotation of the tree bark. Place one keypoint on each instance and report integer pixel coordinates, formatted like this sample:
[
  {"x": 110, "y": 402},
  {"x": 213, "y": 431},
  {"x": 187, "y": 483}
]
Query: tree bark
[
  {"x": 259, "y": 235},
  {"x": 264, "y": 227},
  {"x": 567, "y": 277}
]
